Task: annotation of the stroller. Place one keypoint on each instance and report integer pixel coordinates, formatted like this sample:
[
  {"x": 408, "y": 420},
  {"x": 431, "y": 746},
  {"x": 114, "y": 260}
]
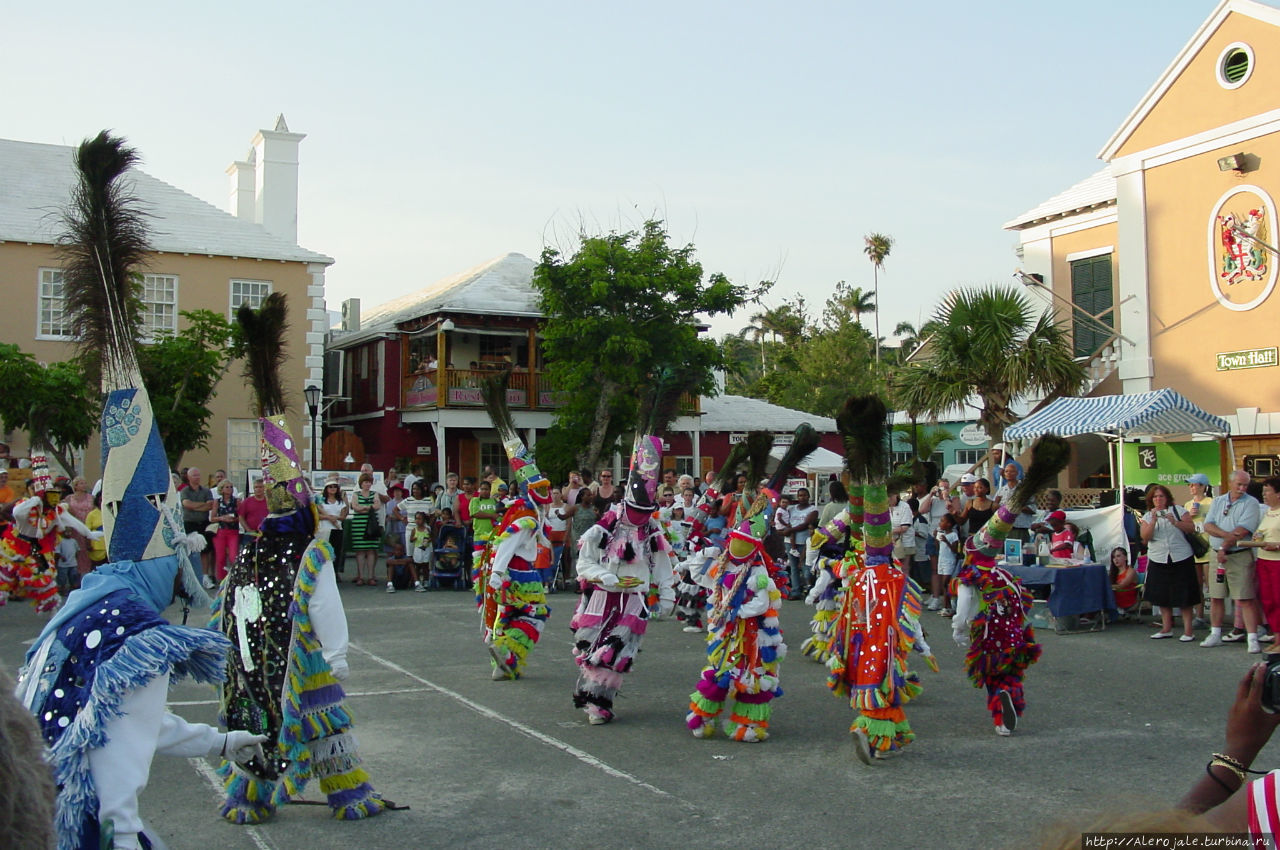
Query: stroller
[{"x": 450, "y": 560}]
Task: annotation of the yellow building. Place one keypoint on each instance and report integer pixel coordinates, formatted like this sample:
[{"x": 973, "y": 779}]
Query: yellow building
[
  {"x": 1168, "y": 254},
  {"x": 203, "y": 258}
]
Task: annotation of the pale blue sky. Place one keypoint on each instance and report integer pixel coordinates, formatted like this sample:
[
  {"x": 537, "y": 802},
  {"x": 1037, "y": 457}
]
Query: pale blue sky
[{"x": 774, "y": 136}]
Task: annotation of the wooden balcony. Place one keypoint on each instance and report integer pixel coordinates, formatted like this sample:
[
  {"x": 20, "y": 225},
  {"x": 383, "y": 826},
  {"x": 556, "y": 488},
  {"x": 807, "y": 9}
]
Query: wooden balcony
[{"x": 526, "y": 390}]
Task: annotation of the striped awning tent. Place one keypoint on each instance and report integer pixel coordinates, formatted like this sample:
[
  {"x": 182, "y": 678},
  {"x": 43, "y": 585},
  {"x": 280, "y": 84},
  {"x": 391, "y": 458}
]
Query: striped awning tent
[{"x": 1161, "y": 413}]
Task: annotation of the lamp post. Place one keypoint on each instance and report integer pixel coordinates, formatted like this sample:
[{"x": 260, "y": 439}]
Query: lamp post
[{"x": 313, "y": 394}]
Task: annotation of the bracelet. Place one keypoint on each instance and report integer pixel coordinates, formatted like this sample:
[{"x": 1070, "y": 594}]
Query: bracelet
[
  {"x": 1225, "y": 787},
  {"x": 1236, "y": 763},
  {"x": 1231, "y": 767}
]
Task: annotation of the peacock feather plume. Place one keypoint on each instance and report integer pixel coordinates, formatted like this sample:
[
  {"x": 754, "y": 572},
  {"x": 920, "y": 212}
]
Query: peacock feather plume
[
  {"x": 861, "y": 423},
  {"x": 104, "y": 242},
  {"x": 264, "y": 336},
  {"x": 1049, "y": 456},
  {"x": 803, "y": 441},
  {"x": 493, "y": 389}
]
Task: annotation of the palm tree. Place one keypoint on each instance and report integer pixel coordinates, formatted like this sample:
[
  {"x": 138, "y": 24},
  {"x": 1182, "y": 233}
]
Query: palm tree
[
  {"x": 912, "y": 337},
  {"x": 853, "y": 299},
  {"x": 988, "y": 342},
  {"x": 877, "y": 247}
]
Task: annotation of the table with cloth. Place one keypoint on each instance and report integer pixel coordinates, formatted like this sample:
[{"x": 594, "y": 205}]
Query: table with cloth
[{"x": 1072, "y": 591}]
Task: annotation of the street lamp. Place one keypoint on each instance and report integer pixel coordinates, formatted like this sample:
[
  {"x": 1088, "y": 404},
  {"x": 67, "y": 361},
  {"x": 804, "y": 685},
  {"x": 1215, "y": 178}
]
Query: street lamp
[{"x": 314, "y": 395}]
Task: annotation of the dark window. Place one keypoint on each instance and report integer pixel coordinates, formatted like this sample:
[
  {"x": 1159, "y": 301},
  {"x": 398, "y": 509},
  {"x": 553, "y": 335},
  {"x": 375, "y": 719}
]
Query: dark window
[
  {"x": 1092, "y": 296},
  {"x": 1235, "y": 66}
]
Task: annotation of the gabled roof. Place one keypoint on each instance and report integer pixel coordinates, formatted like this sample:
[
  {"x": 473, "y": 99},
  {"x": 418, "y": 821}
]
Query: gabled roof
[
  {"x": 1096, "y": 190},
  {"x": 1249, "y": 8},
  {"x": 36, "y": 182},
  {"x": 499, "y": 287},
  {"x": 741, "y": 413},
  {"x": 1159, "y": 413}
]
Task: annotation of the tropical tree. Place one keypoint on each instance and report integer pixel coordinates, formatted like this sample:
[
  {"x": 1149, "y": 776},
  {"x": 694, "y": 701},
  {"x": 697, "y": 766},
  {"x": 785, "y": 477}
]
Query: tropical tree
[
  {"x": 623, "y": 309},
  {"x": 989, "y": 342},
  {"x": 853, "y": 300},
  {"x": 877, "y": 247},
  {"x": 52, "y": 403}
]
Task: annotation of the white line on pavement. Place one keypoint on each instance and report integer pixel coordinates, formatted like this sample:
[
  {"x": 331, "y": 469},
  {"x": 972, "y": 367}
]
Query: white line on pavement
[
  {"x": 584, "y": 757},
  {"x": 349, "y": 694},
  {"x": 211, "y": 776}
]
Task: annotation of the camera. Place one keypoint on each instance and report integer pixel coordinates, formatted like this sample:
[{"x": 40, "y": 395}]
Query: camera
[{"x": 1271, "y": 687}]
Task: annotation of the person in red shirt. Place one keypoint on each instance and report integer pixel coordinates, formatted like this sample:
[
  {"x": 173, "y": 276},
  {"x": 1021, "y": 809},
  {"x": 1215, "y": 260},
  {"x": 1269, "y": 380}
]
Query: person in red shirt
[{"x": 253, "y": 509}]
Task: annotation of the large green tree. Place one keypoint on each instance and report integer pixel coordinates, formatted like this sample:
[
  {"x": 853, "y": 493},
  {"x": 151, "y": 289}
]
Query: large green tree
[
  {"x": 988, "y": 342},
  {"x": 181, "y": 372},
  {"x": 52, "y": 403},
  {"x": 622, "y": 309}
]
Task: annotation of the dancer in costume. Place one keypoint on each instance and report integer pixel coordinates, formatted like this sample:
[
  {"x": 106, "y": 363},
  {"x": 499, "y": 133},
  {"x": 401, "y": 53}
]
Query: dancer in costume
[
  {"x": 992, "y": 607},
  {"x": 619, "y": 559},
  {"x": 28, "y": 546},
  {"x": 878, "y": 621},
  {"x": 98, "y": 675},
  {"x": 512, "y": 599},
  {"x": 279, "y": 606},
  {"x": 839, "y": 540},
  {"x": 744, "y": 640}
]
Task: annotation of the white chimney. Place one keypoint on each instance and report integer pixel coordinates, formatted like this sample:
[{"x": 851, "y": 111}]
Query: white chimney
[
  {"x": 242, "y": 185},
  {"x": 264, "y": 186}
]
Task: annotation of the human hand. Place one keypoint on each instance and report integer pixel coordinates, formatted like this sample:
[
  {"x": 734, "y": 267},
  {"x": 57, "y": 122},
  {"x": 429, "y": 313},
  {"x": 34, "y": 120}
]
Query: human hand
[
  {"x": 241, "y": 746},
  {"x": 960, "y": 637},
  {"x": 1249, "y": 727},
  {"x": 496, "y": 580},
  {"x": 340, "y": 669}
]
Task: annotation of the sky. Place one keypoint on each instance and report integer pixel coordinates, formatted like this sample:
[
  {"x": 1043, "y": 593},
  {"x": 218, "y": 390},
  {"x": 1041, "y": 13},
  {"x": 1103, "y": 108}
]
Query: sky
[{"x": 772, "y": 136}]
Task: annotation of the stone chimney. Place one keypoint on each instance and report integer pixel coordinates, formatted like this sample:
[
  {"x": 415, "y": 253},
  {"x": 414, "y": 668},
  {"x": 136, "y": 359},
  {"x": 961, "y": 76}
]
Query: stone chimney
[{"x": 264, "y": 186}]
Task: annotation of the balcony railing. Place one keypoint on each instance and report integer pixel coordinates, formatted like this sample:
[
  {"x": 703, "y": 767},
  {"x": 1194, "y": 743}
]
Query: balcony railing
[{"x": 526, "y": 390}]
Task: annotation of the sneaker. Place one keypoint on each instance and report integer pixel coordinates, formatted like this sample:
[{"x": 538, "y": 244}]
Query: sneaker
[
  {"x": 1003, "y": 732},
  {"x": 946, "y": 612},
  {"x": 1254, "y": 646},
  {"x": 1213, "y": 640},
  {"x": 1163, "y": 635},
  {"x": 1235, "y": 636},
  {"x": 391, "y": 588},
  {"x": 691, "y": 629},
  {"x": 1186, "y": 638},
  {"x": 207, "y": 583},
  {"x": 419, "y": 587},
  {"x": 1008, "y": 714},
  {"x": 934, "y": 604}
]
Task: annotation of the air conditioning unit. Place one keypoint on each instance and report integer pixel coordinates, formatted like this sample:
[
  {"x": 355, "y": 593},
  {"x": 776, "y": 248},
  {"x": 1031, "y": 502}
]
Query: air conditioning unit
[{"x": 351, "y": 314}]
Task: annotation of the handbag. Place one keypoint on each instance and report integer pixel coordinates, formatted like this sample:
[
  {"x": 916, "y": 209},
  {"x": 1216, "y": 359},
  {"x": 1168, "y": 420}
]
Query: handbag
[
  {"x": 1197, "y": 541},
  {"x": 372, "y": 528}
]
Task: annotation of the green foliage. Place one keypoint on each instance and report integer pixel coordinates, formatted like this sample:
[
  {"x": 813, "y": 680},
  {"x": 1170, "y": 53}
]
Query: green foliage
[
  {"x": 989, "y": 342},
  {"x": 181, "y": 372},
  {"x": 622, "y": 308},
  {"x": 51, "y": 402}
]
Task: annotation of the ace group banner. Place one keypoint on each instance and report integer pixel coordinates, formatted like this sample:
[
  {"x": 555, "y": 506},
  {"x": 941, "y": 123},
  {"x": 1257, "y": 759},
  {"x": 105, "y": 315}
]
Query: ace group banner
[{"x": 1169, "y": 463}]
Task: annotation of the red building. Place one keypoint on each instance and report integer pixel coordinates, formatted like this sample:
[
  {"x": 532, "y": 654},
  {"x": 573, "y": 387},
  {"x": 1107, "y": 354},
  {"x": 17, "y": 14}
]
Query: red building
[{"x": 407, "y": 376}]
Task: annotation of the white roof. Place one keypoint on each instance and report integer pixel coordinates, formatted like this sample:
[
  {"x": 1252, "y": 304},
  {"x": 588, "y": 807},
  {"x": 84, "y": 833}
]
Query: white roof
[
  {"x": 740, "y": 413},
  {"x": 501, "y": 286},
  {"x": 1096, "y": 190},
  {"x": 36, "y": 182},
  {"x": 820, "y": 461}
]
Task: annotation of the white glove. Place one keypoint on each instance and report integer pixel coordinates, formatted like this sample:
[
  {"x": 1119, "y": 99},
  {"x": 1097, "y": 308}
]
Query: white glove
[
  {"x": 960, "y": 637},
  {"x": 241, "y": 746},
  {"x": 609, "y": 581},
  {"x": 811, "y": 598},
  {"x": 340, "y": 669},
  {"x": 495, "y": 580},
  {"x": 95, "y": 535}
]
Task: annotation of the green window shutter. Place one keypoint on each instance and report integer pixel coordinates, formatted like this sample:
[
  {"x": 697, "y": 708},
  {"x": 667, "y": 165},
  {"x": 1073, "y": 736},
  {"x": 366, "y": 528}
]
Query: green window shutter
[{"x": 1091, "y": 293}]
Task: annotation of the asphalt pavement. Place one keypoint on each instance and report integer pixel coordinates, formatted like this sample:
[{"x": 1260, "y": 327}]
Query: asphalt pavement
[{"x": 1114, "y": 721}]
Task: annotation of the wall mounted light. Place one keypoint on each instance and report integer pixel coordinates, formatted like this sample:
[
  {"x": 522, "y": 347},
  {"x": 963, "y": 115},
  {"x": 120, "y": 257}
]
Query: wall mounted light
[
  {"x": 447, "y": 325},
  {"x": 1234, "y": 162}
]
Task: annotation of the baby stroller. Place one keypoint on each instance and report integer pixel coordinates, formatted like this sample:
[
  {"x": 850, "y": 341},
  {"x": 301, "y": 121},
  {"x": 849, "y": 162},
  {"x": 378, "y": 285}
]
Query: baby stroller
[{"x": 450, "y": 562}]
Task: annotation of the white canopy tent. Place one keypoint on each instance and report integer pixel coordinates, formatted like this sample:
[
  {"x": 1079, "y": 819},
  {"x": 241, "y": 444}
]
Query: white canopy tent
[{"x": 820, "y": 461}]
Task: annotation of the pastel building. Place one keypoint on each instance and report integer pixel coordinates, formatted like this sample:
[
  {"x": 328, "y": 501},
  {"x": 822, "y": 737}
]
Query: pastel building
[
  {"x": 203, "y": 258},
  {"x": 1166, "y": 258}
]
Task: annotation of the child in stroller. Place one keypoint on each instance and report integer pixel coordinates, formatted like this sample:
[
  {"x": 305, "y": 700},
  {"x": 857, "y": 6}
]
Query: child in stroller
[{"x": 449, "y": 562}]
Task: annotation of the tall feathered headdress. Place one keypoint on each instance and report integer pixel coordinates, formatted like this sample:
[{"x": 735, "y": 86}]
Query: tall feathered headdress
[
  {"x": 105, "y": 241},
  {"x": 1049, "y": 456},
  {"x": 533, "y": 484},
  {"x": 861, "y": 423},
  {"x": 264, "y": 334}
]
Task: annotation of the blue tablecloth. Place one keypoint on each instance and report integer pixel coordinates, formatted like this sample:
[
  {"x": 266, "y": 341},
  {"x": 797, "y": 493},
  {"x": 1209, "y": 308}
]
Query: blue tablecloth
[{"x": 1074, "y": 590}]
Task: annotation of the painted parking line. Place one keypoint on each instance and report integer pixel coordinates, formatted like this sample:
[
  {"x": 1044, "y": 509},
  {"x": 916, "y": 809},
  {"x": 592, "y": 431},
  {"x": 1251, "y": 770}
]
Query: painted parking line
[
  {"x": 582, "y": 756},
  {"x": 349, "y": 695}
]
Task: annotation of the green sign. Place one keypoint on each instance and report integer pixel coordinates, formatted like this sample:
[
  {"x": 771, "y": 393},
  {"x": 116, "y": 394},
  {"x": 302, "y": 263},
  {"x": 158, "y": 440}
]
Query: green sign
[
  {"x": 1251, "y": 358},
  {"x": 1169, "y": 463}
]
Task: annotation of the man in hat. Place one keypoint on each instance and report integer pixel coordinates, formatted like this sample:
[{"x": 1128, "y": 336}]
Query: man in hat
[{"x": 622, "y": 559}]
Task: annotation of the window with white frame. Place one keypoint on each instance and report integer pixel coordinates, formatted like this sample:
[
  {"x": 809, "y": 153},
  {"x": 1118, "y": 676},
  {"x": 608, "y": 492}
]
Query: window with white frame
[
  {"x": 969, "y": 456},
  {"x": 159, "y": 303},
  {"x": 53, "y": 321},
  {"x": 249, "y": 292},
  {"x": 244, "y": 438}
]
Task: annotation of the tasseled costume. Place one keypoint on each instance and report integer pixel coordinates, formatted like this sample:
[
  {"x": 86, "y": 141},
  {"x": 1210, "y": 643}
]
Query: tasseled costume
[
  {"x": 115, "y": 647},
  {"x": 513, "y": 615},
  {"x": 877, "y": 628},
  {"x": 827, "y": 593},
  {"x": 290, "y": 694},
  {"x": 691, "y": 597},
  {"x": 1002, "y": 639},
  {"x": 744, "y": 650},
  {"x": 28, "y": 558}
]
